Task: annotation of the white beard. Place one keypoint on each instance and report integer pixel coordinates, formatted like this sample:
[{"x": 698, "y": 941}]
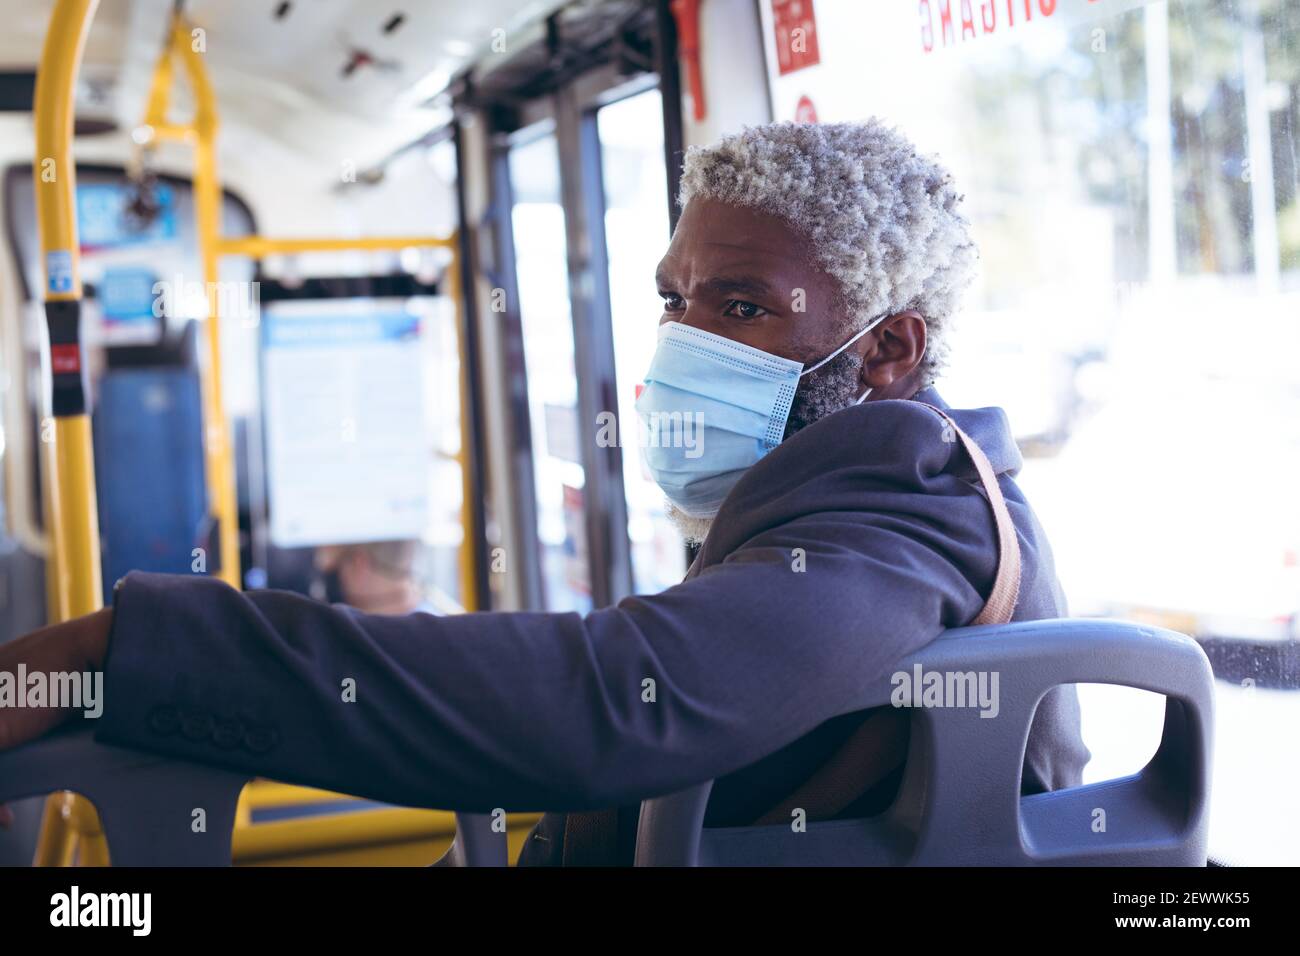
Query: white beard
[{"x": 693, "y": 529}]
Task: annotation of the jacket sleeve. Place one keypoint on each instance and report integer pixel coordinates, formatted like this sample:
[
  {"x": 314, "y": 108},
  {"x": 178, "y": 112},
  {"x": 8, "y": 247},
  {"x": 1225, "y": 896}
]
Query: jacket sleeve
[{"x": 529, "y": 711}]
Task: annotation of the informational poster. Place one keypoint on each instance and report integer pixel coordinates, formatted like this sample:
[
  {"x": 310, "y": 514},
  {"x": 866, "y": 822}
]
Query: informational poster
[{"x": 349, "y": 450}]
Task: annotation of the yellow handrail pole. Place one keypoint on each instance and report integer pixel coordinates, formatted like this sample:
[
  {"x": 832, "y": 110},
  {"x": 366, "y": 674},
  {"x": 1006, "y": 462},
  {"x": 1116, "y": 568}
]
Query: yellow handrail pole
[
  {"x": 74, "y": 523},
  {"x": 259, "y": 247},
  {"x": 57, "y": 843},
  {"x": 219, "y": 461},
  {"x": 470, "y": 543},
  {"x": 76, "y": 526},
  {"x": 160, "y": 88},
  {"x": 338, "y": 831},
  {"x": 201, "y": 133},
  {"x": 92, "y": 845},
  {"x": 172, "y": 131}
]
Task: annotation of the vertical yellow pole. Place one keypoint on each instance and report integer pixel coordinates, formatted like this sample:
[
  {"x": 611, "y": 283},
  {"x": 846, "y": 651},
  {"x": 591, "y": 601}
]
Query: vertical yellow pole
[
  {"x": 92, "y": 845},
  {"x": 75, "y": 534},
  {"x": 160, "y": 87},
  {"x": 470, "y": 599},
  {"x": 202, "y": 132},
  {"x": 56, "y": 844},
  {"x": 207, "y": 214},
  {"x": 71, "y": 509}
]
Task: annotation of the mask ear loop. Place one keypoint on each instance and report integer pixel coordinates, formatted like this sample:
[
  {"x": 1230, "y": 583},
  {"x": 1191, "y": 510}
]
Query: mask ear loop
[
  {"x": 863, "y": 397},
  {"x": 867, "y": 328}
]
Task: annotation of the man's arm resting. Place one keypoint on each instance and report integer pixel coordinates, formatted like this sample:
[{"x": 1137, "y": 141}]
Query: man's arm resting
[{"x": 517, "y": 710}]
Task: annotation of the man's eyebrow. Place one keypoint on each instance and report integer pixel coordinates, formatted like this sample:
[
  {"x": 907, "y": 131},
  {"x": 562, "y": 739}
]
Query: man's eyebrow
[
  {"x": 737, "y": 285},
  {"x": 723, "y": 285}
]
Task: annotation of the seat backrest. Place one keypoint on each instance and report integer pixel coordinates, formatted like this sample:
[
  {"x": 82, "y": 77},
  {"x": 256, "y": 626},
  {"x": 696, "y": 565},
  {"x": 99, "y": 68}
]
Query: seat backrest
[
  {"x": 959, "y": 802},
  {"x": 147, "y": 803}
]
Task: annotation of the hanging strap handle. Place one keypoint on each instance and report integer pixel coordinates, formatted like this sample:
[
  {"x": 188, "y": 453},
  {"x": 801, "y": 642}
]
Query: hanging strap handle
[{"x": 878, "y": 746}]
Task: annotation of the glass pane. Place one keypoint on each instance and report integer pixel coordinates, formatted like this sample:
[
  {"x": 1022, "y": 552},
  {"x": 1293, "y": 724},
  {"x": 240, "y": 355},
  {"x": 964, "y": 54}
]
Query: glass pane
[
  {"x": 444, "y": 551},
  {"x": 542, "y": 270},
  {"x": 636, "y": 231},
  {"x": 1130, "y": 174},
  {"x": 386, "y": 430}
]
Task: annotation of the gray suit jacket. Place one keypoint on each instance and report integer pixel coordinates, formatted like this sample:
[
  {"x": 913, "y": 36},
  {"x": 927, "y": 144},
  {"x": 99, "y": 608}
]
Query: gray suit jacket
[{"x": 855, "y": 542}]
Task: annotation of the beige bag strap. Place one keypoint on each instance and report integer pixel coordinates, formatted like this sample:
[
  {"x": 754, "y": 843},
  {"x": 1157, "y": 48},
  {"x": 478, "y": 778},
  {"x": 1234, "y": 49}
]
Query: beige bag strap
[
  {"x": 879, "y": 745},
  {"x": 1006, "y": 585}
]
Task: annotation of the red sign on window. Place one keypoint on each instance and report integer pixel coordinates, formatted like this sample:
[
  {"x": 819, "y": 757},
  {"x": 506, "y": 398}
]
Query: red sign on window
[{"x": 795, "y": 25}]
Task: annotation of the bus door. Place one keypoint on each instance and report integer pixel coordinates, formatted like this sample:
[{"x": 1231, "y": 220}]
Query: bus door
[
  {"x": 580, "y": 215},
  {"x": 588, "y": 220},
  {"x": 636, "y": 228},
  {"x": 546, "y": 316}
]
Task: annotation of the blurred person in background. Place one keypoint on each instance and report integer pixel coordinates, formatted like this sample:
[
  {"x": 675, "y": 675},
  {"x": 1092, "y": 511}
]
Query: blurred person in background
[{"x": 377, "y": 577}]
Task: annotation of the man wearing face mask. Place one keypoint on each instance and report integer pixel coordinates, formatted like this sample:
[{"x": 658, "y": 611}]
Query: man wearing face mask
[{"x": 846, "y": 518}]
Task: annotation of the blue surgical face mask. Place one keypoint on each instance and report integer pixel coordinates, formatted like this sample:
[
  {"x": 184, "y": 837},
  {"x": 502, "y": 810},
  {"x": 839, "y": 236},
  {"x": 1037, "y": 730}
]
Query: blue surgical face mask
[{"x": 711, "y": 407}]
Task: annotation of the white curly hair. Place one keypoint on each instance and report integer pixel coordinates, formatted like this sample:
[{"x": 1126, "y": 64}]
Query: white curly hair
[{"x": 880, "y": 219}]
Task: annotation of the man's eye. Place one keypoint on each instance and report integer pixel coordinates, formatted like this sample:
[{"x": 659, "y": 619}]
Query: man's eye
[
  {"x": 672, "y": 301},
  {"x": 744, "y": 310}
]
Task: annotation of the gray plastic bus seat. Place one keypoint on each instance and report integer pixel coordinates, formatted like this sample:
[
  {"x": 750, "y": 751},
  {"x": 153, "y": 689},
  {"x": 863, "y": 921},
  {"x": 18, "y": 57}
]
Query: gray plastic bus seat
[
  {"x": 959, "y": 802},
  {"x": 476, "y": 844},
  {"x": 147, "y": 803}
]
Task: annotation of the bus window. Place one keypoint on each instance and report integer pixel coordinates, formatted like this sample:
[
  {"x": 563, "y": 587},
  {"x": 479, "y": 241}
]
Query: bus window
[
  {"x": 538, "y": 221},
  {"x": 360, "y": 394},
  {"x": 1130, "y": 175},
  {"x": 636, "y": 230}
]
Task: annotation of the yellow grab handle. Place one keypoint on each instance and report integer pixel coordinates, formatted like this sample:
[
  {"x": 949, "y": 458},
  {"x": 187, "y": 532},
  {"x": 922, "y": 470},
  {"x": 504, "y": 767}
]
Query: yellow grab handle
[{"x": 73, "y": 571}]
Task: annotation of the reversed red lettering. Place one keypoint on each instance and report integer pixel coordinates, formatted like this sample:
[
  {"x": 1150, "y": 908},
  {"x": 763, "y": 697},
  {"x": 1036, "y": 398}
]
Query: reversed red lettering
[{"x": 945, "y": 22}]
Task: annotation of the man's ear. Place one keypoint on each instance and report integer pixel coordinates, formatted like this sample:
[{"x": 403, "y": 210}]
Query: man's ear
[{"x": 893, "y": 354}]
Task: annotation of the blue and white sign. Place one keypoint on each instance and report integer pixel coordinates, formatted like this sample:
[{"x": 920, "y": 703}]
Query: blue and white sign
[
  {"x": 127, "y": 295},
  {"x": 349, "y": 448},
  {"x": 128, "y": 303},
  {"x": 104, "y": 218},
  {"x": 58, "y": 270}
]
